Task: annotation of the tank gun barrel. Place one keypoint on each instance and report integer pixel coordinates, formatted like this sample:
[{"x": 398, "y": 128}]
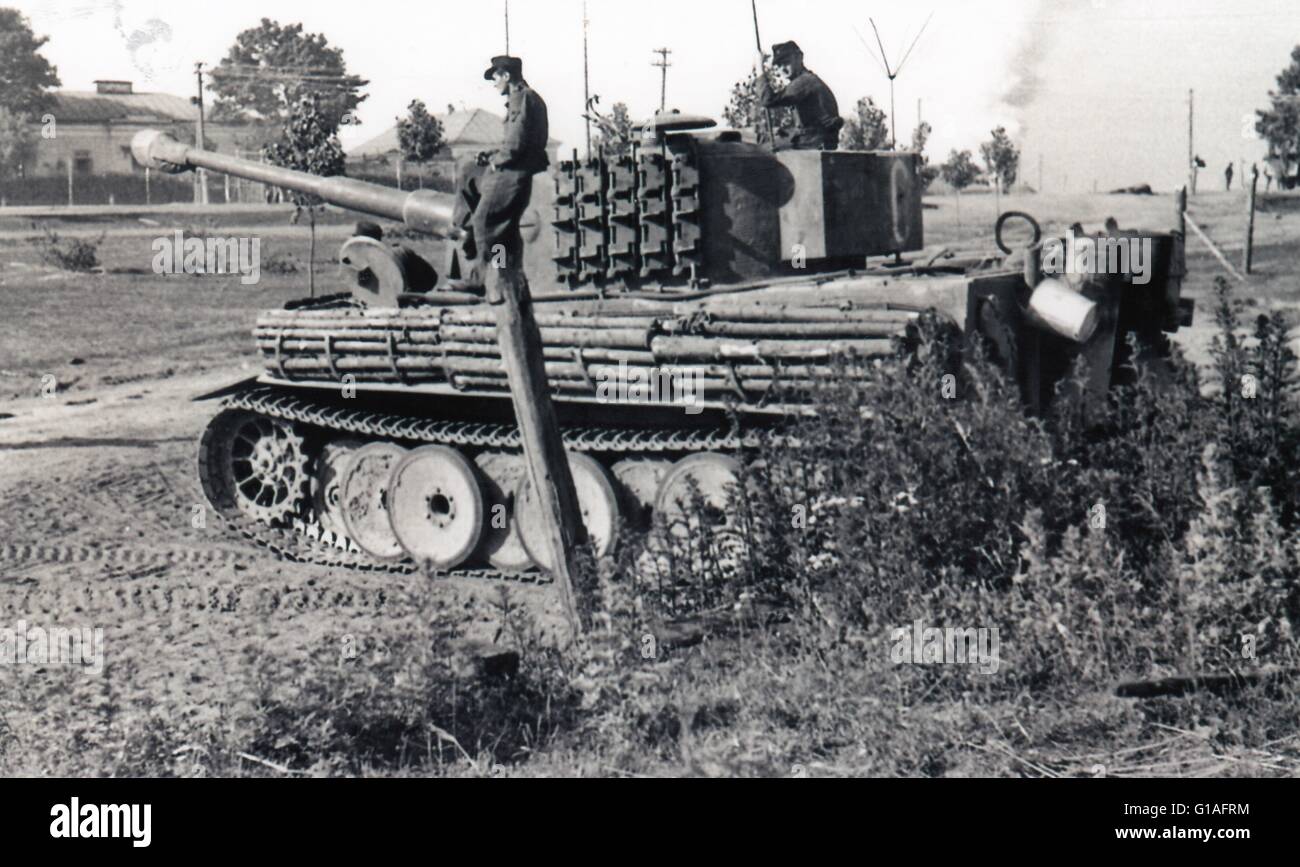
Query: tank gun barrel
[{"x": 422, "y": 210}]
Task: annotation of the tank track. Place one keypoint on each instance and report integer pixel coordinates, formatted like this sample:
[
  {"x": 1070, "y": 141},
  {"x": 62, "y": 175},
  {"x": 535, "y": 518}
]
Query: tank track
[
  {"x": 305, "y": 541},
  {"x": 268, "y": 401}
]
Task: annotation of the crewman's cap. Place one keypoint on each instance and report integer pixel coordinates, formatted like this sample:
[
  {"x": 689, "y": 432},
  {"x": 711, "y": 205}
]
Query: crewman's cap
[
  {"x": 783, "y": 51},
  {"x": 504, "y": 63}
]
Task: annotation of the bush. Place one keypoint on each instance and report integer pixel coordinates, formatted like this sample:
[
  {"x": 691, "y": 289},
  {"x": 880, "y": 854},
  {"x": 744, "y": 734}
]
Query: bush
[
  {"x": 1148, "y": 539},
  {"x": 69, "y": 254}
]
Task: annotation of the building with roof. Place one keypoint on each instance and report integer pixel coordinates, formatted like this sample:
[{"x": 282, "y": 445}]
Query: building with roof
[
  {"x": 466, "y": 132},
  {"x": 91, "y": 130}
]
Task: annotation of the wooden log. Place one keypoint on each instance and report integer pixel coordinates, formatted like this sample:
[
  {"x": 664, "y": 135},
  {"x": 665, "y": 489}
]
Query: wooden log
[
  {"x": 557, "y": 320},
  {"x": 485, "y": 350},
  {"x": 625, "y": 338},
  {"x": 782, "y": 313},
  {"x": 1218, "y": 683},
  {"x": 609, "y": 306},
  {"x": 795, "y": 330},
  {"x": 379, "y": 338},
  {"x": 722, "y": 349},
  {"x": 422, "y": 323},
  {"x": 313, "y": 348},
  {"x": 558, "y": 353},
  {"x": 707, "y": 385}
]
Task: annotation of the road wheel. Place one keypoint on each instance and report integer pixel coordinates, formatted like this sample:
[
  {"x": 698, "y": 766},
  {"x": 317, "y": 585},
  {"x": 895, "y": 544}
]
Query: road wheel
[
  {"x": 502, "y": 545},
  {"x": 435, "y": 506},
  {"x": 596, "y": 500},
  {"x": 364, "y": 495}
]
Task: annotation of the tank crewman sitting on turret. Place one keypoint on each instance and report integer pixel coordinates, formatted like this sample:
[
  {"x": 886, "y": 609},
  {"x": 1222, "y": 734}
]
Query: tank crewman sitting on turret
[
  {"x": 813, "y": 102},
  {"x": 496, "y": 190}
]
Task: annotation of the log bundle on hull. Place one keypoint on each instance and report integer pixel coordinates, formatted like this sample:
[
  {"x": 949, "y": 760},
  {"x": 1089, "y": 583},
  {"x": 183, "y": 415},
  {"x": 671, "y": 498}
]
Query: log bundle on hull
[{"x": 734, "y": 344}]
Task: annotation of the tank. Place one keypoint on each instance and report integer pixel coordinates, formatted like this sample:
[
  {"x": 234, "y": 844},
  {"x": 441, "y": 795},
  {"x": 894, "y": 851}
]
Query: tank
[{"x": 689, "y": 288}]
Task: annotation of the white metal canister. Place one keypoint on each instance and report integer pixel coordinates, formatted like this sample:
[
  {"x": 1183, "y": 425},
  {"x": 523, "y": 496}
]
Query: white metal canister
[{"x": 1064, "y": 311}]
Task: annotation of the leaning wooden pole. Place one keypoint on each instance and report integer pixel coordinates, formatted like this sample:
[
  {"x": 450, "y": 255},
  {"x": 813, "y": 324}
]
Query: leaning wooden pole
[{"x": 520, "y": 344}]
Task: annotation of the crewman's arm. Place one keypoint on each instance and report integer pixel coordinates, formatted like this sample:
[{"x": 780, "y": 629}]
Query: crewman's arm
[{"x": 792, "y": 94}]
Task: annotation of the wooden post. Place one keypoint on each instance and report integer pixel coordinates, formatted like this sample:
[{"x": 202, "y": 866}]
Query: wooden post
[
  {"x": 1178, "y": 267},
  {"x": 1248, "y": 254},
  {"x": 69, "y": 180},
  {"x": 520, "y": 344}
]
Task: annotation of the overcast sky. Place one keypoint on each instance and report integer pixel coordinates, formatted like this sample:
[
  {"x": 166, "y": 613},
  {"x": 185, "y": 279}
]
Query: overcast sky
[{"x": 1096, "y": 88}]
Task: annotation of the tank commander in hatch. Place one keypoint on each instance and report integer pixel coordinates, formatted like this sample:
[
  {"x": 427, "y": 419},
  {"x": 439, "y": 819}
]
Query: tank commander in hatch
[{"x": 814, "y": 105}]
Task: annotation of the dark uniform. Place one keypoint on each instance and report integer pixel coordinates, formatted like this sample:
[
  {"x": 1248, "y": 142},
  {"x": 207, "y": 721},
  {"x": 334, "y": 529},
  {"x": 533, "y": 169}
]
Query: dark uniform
[
  {"x": 499, "y": 194},
  {"x": 813, "y": 103}
]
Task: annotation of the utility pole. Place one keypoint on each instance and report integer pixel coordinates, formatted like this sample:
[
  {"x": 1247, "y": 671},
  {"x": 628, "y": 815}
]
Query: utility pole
[
  {"x": 1191, "y": 156},
  {"x": 663, "y": 65},
  {"x": 586, "y": 79},
  {"x": 200, "y": 177},
  {"x": 507, "y": 5},
  {"x": 1248, "y": 253}
]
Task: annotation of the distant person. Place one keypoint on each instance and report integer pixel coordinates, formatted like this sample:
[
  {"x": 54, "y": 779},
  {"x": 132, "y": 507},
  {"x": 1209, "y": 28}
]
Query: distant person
[
  {"x": 1227, "y": 176},
  {"x": 1268, "y": 179},
  {"x": 814, "y": 105}
]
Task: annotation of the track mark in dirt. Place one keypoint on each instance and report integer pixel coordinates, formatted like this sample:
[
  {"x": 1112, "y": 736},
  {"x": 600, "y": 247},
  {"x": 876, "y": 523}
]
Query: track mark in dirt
[
  {"x": 89, "y": 443},
  {"x": 90, "y": 553},
  {"x": 213, "y": 596}
]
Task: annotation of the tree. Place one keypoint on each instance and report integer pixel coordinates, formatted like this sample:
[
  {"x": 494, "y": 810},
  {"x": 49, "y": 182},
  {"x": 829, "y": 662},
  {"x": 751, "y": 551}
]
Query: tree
[
  {"x": 868, "y": 130},
  {"x": 308, "y": 143},
  {"x": 1280, "y": 124},
  {"x": 926, "y": 172},
  {"x": 17, "y": 143},
  {"x": 270, "y": 68},
  {"x": 419, "y": 134},
  {"x": 615, "y": 131},
  {"x": 1001, "y": 158},
  {"x": 745, "y": 112},
  {"x": 960, "y": 171},
  {"x": 25, "y": 76}
]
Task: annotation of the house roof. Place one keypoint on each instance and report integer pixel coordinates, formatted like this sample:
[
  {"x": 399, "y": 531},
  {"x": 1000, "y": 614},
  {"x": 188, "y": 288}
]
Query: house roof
[
  {"x": 473, "y": 127},
  {"x": 85, "y": 106}
]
